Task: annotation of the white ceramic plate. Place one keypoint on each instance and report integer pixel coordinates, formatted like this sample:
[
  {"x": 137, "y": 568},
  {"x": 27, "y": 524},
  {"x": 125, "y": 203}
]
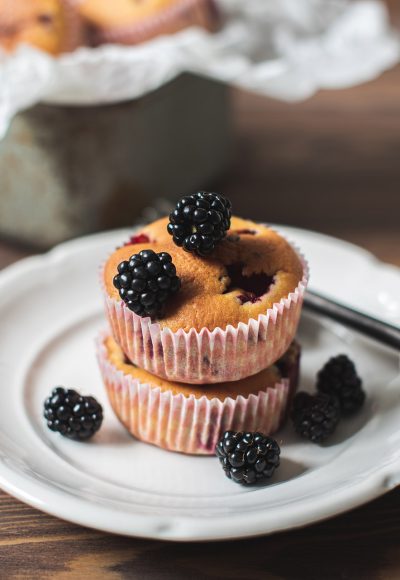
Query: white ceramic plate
[{"x": 50, "y": 312}]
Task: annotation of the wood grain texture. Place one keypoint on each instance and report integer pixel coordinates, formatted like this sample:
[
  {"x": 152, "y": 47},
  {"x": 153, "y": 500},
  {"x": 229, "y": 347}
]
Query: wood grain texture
[
  {"x": 337, "y": 154},
  {"x": 329, "y": 162},
  {"x": 362, "y": 544}
]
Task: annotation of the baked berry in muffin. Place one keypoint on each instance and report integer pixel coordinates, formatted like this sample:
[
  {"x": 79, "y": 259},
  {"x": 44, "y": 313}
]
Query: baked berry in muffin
[
  {"x": 190, "y": 418},
  {"x": 49, "y": 25},
  {"x": 135, "y": 21}
]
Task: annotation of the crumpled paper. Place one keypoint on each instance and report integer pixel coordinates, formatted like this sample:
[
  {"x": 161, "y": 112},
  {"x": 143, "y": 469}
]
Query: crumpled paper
[{"x": 287, "y": 50}]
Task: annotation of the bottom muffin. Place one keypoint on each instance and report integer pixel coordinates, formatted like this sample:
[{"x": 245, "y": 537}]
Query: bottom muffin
[{"x": 191, "y": 418}]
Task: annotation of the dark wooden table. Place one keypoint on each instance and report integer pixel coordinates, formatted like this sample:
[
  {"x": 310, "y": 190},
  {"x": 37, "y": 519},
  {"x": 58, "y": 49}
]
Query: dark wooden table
[{"x": 339, "y": 153}]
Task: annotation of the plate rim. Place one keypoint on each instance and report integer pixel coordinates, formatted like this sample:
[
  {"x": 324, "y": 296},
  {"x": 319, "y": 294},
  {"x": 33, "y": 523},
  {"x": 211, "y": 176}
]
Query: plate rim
[
  {"x": 34, "y": 493},
  {"x": 160, "y": 530}
]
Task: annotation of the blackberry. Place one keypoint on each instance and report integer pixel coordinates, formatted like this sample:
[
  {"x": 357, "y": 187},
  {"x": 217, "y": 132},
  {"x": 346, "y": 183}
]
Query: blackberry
[
  {"x": 200, "y": 221},
  {"x": 339, "y": 378},
  {"x": 72, "y": 415},
  {"x": 146, "y": 281},
  {"x": 315, "y": 417},
  {"x": 248, "y": 457}
]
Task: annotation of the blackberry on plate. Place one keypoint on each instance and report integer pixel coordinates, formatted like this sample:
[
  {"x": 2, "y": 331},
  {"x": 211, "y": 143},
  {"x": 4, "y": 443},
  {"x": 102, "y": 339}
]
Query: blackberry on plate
[
  {"x": 72, "y": 415},
  {"x": 315, "y": 417},
  {"x": 200, "y": 221},
  {"x": 339, "y": 378},
  {"x": 248, "y": 457},
  {"x": 146, "y": 281}
]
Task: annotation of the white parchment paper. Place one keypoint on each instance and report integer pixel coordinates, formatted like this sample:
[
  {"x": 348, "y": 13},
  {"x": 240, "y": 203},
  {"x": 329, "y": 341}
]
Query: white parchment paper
[{"x": 286, "y": 49}]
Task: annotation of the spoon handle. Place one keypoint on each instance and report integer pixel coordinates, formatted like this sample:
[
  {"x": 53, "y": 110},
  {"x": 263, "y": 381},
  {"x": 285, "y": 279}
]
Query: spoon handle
[{"x": 363, "y": 323}]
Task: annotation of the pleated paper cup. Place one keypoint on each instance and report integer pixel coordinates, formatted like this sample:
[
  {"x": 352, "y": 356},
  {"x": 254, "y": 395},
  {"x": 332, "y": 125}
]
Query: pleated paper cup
[
  {"x": 75, "y": 35},
  {"x": 188, "y": 424},
  {"x": 220, "y": 355},
  {"x": 169, "y": 20}
]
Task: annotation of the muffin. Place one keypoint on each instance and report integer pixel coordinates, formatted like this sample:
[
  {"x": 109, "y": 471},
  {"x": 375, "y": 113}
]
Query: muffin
[
  {"x": 236, "y": 313},
  {"x": 191, "y": 419},
  {"x": 135, "y": 21},
  {"x": 50, "y": 25}
]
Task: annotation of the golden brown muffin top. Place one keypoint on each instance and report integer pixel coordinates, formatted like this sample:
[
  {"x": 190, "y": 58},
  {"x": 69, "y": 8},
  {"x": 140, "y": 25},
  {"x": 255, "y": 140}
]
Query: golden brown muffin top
[
  {"x": 249, "y": 271},
  {"x": 119, "y": 13},
  {"x": 40, "y": 23},
  {"x": 245, "y": 387}
]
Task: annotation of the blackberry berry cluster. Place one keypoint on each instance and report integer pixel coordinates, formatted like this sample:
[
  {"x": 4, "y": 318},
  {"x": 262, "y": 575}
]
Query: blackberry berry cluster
[
  {"x": 315, "y": 417},
  {"x": 200, "y": 221},
  {"x": 339, "y": 378},
  {"x": 146, "y": 281},
  {"x": 248, "y": 457},
  {"x": 339, "y": 393},
  {"x": 72, "y": 415}
]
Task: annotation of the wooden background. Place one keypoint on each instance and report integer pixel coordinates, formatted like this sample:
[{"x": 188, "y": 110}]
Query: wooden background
[{"x": 331, "y": 164}]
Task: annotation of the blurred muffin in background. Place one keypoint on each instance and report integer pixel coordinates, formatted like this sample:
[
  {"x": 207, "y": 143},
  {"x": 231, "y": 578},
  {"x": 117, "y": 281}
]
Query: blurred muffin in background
[
  {"x": 50, "y": 25},
  {"x": 58, "y": 26},
  {"x": 135, "y": 21}
]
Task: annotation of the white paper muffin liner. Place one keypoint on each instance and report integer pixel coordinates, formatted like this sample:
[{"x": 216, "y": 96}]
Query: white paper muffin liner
[
  {"x": 185, "y": 423},
  {"x": 159, "y": 23},
  {"x": 75, "y": 33},
  {"x": 207, "y": 356}
]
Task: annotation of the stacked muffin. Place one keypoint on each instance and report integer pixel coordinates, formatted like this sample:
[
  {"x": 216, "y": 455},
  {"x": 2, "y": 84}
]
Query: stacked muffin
[
  {"x": 58, "y": 26},
  {"x": 203, "y": 309}
]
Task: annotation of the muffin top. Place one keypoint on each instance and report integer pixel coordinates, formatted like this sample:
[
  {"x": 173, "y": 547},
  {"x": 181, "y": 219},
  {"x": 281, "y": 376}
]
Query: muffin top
[
  {"x": 119, "y": 13},
  {"x": 245, "y": 387},
  {"x": 252, "y": 268},
  {"x": 41, "y": 23}
]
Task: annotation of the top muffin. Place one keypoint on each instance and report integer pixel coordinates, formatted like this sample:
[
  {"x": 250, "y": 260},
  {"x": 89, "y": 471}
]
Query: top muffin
[
  {"x": 249, "y": 271},
  {"x": 201, "y": 297}
]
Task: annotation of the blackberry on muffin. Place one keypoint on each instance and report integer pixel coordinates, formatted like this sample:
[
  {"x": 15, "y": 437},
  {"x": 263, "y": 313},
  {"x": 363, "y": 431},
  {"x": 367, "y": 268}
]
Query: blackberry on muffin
[
  {"x": 146, "y": 281},
  {"x": 200, "y": 221}
]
